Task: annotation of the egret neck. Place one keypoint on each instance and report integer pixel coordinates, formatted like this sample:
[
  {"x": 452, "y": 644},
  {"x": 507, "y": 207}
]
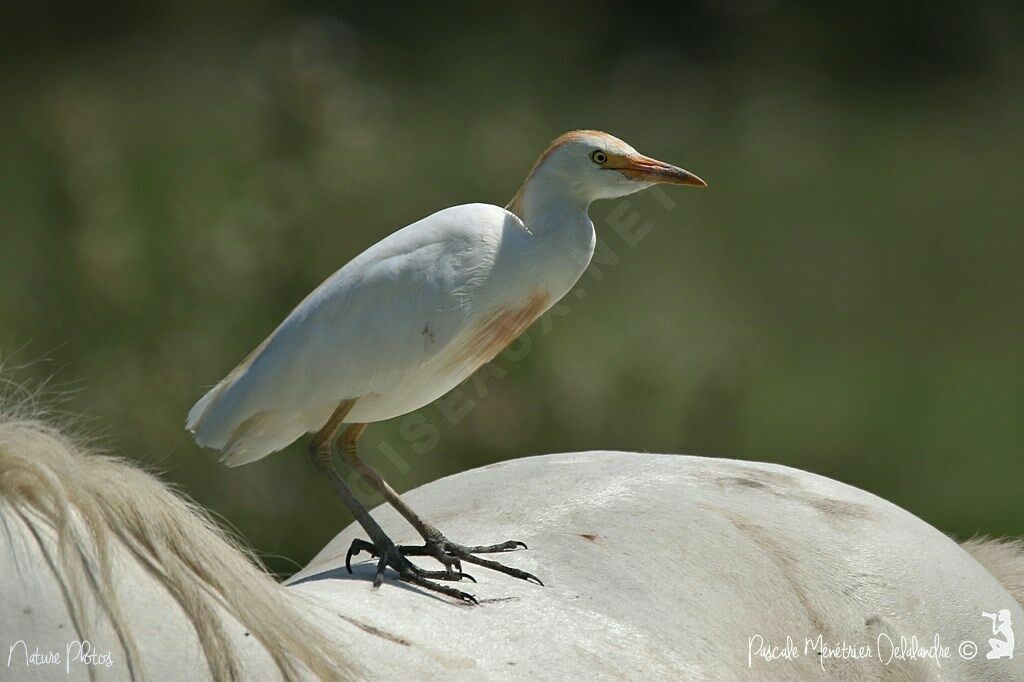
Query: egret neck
[{"x": 562, "y": 235}]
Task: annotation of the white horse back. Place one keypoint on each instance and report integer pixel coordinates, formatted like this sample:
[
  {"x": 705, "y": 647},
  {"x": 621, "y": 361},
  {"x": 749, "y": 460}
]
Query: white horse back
[{"x": 675, "y": 566}]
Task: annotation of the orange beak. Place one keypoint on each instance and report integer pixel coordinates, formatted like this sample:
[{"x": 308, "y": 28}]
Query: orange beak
[{"x": 646, "y": 169}]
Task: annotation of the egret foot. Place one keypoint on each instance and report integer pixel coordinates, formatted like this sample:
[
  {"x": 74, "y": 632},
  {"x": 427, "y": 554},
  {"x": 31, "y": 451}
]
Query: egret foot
[
  {"x": 389, "y": 555},
  {"x": 452, "y": 554}
]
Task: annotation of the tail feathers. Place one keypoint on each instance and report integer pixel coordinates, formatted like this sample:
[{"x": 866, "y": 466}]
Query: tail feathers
[
  {"x": 213, "y": 420},
  {"x": 195, "y": 415},
  {"x": 215, "y": 417},
  {"x": 210, "y": 419},
  {"x": 260, "y": 435},
  {"x": 1004, "y": 559}
]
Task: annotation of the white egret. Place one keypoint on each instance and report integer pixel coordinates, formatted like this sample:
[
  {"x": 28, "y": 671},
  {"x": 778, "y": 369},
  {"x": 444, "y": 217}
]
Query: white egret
[{"x": 413, "y": 316}]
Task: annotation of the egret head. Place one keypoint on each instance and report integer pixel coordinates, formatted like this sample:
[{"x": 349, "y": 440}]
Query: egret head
[{"x": 585, "y": 165}]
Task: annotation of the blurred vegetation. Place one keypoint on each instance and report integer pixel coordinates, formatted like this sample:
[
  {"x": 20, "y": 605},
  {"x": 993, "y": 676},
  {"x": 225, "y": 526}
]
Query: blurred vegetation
[{"x": 846, "y": 298}]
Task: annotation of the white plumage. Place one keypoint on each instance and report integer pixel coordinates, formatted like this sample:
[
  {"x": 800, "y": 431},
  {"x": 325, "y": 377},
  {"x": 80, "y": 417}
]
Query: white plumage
[
  {"x": 415, "y": 314},
  {"x": 381, "y": 329}
]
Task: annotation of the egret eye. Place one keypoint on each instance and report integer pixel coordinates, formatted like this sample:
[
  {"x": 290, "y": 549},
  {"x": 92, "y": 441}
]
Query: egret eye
[{"x": 598, "y": 157}]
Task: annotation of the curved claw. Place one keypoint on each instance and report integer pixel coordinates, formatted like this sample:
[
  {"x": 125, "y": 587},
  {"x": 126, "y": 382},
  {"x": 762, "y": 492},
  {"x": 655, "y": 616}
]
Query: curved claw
[
  {"x": 355, "y": 548},
  {"x": 518, "y": 542}
]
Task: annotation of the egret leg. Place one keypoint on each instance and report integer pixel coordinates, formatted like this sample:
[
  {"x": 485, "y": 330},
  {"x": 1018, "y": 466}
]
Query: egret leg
[
  {"x": 436, "y": 545},
  {"x": 384, "y": 548}
]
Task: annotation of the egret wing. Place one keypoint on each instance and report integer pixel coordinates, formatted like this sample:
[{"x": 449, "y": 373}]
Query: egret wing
[{"x": 366, "y": 327}]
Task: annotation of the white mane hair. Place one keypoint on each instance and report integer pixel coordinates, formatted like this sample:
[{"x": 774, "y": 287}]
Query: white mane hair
[
  {"x": 1004, "y": 558},
  {"x": 92, "y": 523}
]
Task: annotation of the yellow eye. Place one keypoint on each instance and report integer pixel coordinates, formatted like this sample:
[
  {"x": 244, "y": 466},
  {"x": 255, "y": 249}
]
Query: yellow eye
[{"x": 598, "y": 157}]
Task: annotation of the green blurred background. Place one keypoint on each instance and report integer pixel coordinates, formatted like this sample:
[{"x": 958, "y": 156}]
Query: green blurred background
[{"x": 845, "y": 298}]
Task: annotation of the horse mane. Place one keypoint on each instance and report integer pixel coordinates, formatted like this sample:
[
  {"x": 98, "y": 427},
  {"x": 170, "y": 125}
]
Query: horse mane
[
  {"x": 1003, "y": 558},
  {"x": 79, "y": 505}
]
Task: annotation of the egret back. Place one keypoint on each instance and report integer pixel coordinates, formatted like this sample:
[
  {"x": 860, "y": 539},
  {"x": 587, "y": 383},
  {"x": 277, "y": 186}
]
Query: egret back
[{"x": 378, "y": 329}]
